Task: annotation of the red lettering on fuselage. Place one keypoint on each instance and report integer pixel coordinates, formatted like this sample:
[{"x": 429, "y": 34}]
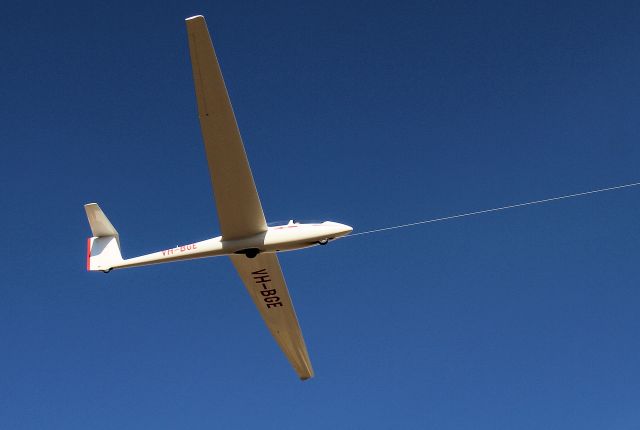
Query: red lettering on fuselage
[{"x": 180, "y": 248}]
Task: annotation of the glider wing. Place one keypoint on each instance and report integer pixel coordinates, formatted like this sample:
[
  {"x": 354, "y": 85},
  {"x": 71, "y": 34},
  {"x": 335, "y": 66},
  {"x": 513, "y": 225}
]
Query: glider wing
[
  {"x": 239, "y": 209},
  {"x": 265, "y": 283}
]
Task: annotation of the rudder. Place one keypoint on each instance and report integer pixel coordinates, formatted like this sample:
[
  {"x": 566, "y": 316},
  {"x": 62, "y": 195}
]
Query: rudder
[{"x": 103, "y": 249}]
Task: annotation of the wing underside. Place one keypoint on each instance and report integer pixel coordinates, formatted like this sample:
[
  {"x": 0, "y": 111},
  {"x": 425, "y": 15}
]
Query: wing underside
[
  {"x": 265, "y": 283},
  {"x": 239, "y": 209}
]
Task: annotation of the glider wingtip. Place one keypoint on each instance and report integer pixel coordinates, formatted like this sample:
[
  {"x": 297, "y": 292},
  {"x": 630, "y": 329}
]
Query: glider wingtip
[
  {"x": 194, "y": 17},
  {"x": 304, "y": 376}
]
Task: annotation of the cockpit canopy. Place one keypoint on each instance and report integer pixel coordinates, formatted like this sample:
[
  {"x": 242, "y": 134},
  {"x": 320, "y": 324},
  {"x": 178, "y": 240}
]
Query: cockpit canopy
[{"x": 293, "y": 222}]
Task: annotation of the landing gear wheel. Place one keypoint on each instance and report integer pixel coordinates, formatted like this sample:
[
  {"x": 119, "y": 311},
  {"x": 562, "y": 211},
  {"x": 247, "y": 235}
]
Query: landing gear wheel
[
  {"x": 249, "y": 253},
  {"x": 323, "y": 241}
]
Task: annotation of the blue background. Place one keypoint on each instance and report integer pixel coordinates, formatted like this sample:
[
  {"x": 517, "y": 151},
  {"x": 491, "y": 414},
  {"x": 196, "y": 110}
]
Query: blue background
[{"x": 367, "y": 113}]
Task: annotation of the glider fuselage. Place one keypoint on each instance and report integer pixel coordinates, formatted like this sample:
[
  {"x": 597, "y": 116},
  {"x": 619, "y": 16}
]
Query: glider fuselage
[{"x": 279, "y": 238}]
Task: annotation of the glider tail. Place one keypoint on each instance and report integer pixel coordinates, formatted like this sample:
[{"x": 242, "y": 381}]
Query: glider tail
[{"x": 103, "y": 249}]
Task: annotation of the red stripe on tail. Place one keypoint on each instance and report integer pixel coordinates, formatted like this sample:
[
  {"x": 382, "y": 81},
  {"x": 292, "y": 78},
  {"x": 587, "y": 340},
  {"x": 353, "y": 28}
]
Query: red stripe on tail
[{"x": 88, "y": 254}]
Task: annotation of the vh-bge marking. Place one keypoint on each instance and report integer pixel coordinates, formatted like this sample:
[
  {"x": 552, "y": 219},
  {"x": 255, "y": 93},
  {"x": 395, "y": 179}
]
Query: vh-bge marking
[
  {"x": 269, "y": 295},
  {"x": 179, "y": 249}
]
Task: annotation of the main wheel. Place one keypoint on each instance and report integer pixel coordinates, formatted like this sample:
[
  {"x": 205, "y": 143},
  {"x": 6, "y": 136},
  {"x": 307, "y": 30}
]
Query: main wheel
[
  {"x": 323, "y": 241},
  {"x": 252, "y": 253}
]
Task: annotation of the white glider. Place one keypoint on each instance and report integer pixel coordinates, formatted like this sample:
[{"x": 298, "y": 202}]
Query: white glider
[{"x": 246, "y": 238}]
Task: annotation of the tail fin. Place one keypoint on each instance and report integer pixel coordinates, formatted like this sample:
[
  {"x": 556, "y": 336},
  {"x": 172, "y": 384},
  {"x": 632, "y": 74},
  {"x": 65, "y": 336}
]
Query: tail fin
[{"x": 103, "y": 249}]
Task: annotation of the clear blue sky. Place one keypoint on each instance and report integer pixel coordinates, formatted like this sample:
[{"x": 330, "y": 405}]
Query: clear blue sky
[{"x": 367, "y": 113}]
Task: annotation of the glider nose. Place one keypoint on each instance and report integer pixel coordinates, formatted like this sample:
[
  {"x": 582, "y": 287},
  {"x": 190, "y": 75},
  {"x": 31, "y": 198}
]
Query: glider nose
[
  {"x": 343, "y": 230},
  {"x": 334, "y": 230}
]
